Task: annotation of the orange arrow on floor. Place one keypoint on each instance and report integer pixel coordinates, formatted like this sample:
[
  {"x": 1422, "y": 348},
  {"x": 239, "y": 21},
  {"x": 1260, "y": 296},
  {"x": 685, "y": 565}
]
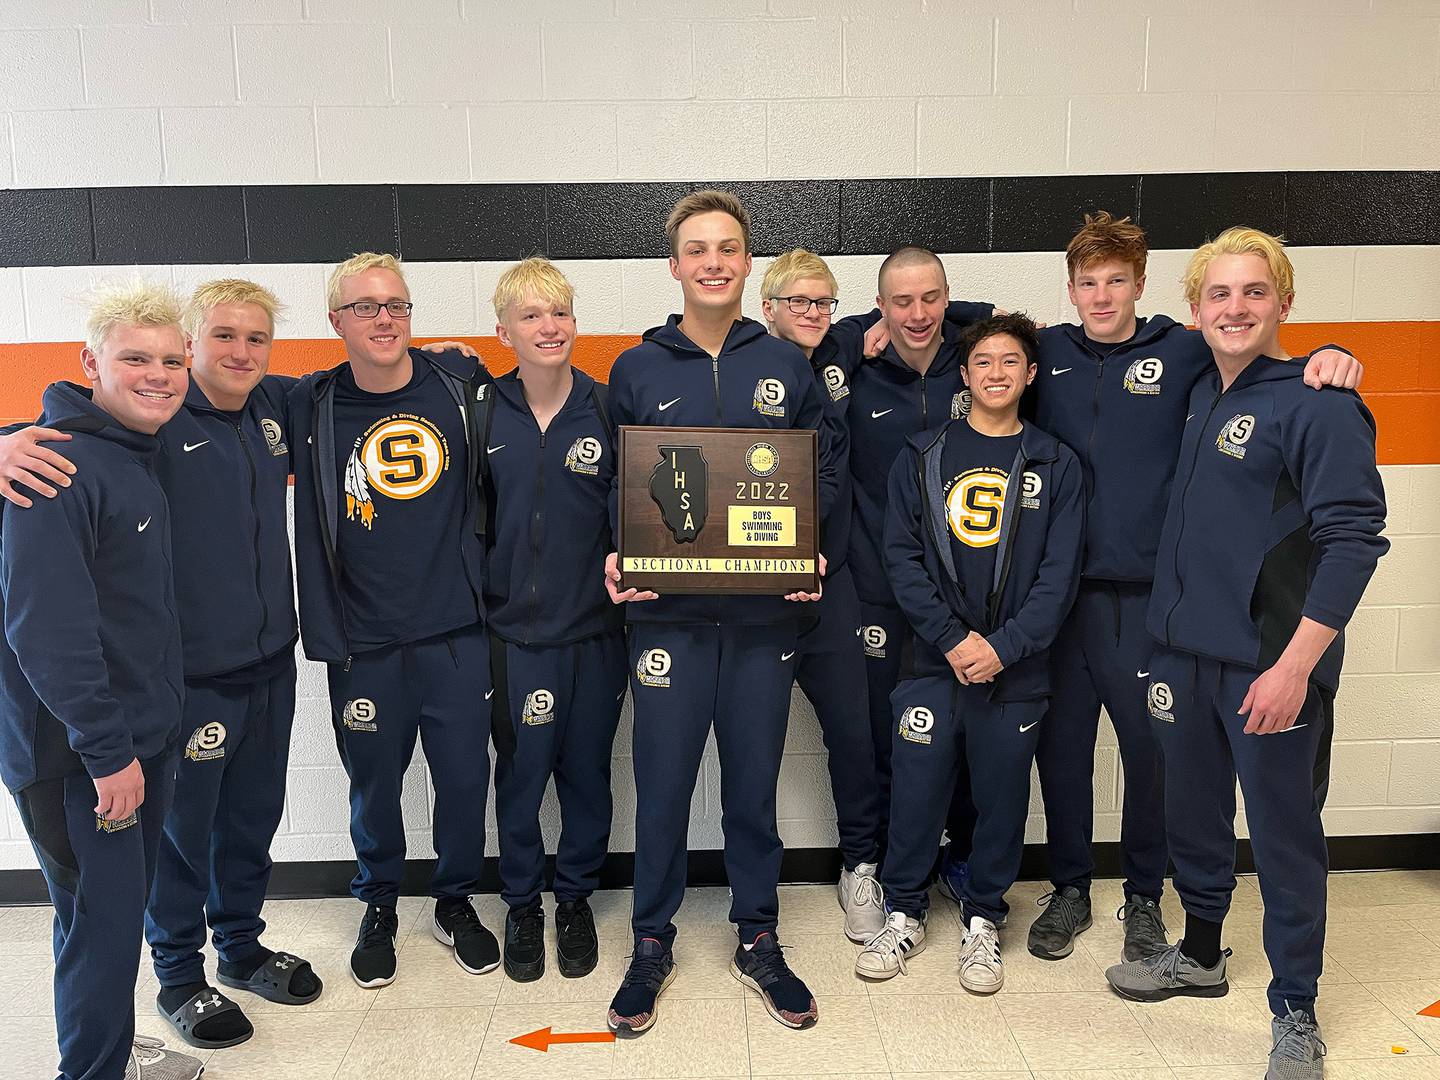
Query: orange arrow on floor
[
  {"x": 543, "y": 1038},
  {"x": 1430, "y": 1010}
]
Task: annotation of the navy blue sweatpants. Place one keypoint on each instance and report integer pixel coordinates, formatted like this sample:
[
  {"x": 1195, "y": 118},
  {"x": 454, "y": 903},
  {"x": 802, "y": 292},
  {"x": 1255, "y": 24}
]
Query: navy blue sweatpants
[
  {"x": 831, "y": 673},
  {"x": 229, "y": 795},
  {"x": 935, "y": 719},
  {"x": 99, "y": 874},
  {"x": 438, "y": 688},
  {"x": 1194, "y": 705},
  {"x": 1100, "y": 658},
  {"x": 685, "y": 679},
  {"x": 884, "y": 639},
  {"x": 563, "y": 704}
]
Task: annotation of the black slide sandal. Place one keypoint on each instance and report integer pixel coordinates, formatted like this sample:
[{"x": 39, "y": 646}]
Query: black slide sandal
[
  {"x": 271, "y": 980},
  {"x": 204, "y": 1005}
]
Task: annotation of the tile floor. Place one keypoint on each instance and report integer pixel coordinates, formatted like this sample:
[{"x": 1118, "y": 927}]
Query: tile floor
[{"x": 1052, "y": 1021}]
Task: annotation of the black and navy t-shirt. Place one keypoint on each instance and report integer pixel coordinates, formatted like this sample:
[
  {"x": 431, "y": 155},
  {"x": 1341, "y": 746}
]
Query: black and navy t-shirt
[
  {"x": 977, "y": 467},
  {"x": 402, "y": 463}
]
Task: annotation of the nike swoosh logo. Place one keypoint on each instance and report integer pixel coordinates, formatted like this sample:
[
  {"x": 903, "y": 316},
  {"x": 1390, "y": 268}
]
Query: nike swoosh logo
[
  {"x": 143, "y": 525},
  {"x": 1189, "y": 418},
  {"x": 882, "y": 412},
  {"x": 194, "y": 446},
  {"x": 488, "y": 693},
  {"x": 1060, "y": 370},
  {"x": 1142, "y": 674},
  {"x": 1026, "y": 727},
  {"x": 492, "y": 449},
  {"x": 666, "y": 404},
  {"x": 787, "y": 656}
]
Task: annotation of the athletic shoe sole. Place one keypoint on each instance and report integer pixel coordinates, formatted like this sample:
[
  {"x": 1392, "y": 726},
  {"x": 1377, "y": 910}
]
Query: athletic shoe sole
[
  {"x": 1216, "y": 991},
  {"x": 577, "y": 968},
  {"x": 1069, "y": 947},
  {"x": 373, "y": 984},
  {"x": 624, "y": 1030},
  {"x": 445, "y": 939},
  {"x": 983, "y": 988},
  {"x": 864, "y": 938},
  {"x": 881, "y": 976},
  {"x": 745, "y": 980}
]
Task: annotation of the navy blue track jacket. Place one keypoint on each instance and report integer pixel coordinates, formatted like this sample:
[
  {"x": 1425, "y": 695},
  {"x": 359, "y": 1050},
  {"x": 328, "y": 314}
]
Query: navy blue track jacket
[
  {"x": 91, "y": 672},
  {"x": 227, "y": 475},
  {"x": 1037, "y": 558},
  {"x": 667, "y": 380},
  {"x": 550, "y": 522},
  {"x": 311, "y": 407},
  {"x": 1275, "y": 514}
]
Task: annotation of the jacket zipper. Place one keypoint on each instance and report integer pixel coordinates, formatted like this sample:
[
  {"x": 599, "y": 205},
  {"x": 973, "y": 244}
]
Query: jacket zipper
[
  {"x": 255, "y": 507},
  {"x": 715, "y": 373},
  {"x": 1180, "y": 529},
  {"x": 332, "y": 557},
  {"x": 536, "y": 519},
  {"x": 924, "y": 406}
]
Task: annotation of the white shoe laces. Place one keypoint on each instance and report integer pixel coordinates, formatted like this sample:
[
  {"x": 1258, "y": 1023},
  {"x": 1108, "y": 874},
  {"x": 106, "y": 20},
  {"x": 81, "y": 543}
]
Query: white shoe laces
[
  {"x": 867, "y": 890},
  {"x": 981, "y": 948},
  {"x": 888, "y": 943}
]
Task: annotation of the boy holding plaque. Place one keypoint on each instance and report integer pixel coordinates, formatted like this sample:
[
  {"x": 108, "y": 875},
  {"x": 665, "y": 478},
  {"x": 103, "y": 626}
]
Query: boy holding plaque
[
  {"x": 712, "y": 659},
  {"x": 983, "y": 538}
]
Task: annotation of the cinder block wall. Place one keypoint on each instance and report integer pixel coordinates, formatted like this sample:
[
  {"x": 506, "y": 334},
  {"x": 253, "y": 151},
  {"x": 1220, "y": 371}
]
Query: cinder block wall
[{"x": 100, "y": 96}]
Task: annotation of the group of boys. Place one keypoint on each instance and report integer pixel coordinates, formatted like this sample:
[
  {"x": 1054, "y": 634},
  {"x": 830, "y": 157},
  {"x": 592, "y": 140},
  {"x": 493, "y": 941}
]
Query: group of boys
[{"x": 989, "y": 582}]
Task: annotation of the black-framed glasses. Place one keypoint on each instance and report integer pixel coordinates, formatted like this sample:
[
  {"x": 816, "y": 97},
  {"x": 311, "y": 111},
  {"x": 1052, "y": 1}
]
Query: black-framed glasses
[
  {"x": 368, "y": 309},
  {"x": 799, "y": 305}
]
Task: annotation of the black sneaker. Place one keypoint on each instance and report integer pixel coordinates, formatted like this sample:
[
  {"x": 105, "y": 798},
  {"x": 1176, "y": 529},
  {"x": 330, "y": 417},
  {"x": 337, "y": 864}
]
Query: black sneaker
[
  {"x": 525, "y": 943},
  {"x": 763, "y": 969},
  {"x": 576, "y": 945},
  {"x": 1144, "y": 928},
  {"x": 457, "y": 925},
  {"x": 1067, "y": 915},
  {"x": 634, "y": 1007},
  {"x": 372, "y": 963}
]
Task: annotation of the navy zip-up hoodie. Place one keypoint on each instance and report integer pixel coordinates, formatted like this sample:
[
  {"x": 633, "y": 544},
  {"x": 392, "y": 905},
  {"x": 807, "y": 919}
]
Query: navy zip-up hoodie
[
  {"x": 227, "y": 477},
  {"x": 697, "y": 390},
  {"x": 1275, "y": 514},
  {"x": 91, "y": 672},
  {"x": 311, "y": 407},
  {"x": 1037, "y": 561},
  {"x": 545, "y": 568}
]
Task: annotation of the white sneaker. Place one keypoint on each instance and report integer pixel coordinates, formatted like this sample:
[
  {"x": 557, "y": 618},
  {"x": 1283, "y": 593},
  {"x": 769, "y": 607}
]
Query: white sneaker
[
  {"x": 863, "y": 901},
  {"x": 980, "y": 968},
  {"x": 149, "y": 1060},
  {"x": 884, "y": 956}
]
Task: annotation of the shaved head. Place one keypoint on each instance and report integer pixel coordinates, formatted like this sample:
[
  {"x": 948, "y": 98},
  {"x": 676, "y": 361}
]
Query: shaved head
[{"x": 906, "y": 257}]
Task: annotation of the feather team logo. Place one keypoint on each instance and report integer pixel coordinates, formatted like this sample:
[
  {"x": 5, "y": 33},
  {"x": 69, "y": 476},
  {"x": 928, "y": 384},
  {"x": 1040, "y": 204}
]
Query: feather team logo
[
  {"x": 1234, "y": 435},
  {"x": 653, "y": 668},
  {"x": 1161, "y": 702},
  {"x": 769, "y": 397},
  {"x": 974, "y": 505},
  {"x": 872, "y": 640},
  {"x": 1143, "y": 376},
  {"x": 836, "y": 383},
  {"x": 539, "y": 708},
  {"x": 916, "y": 723},
  {"x": 359, "y": 715},
  {"x": 207, "y": 743},
  {"x": 274, "y": 437},
  {"x": 583, "y": 457},
  {"x": 400, "y": 456},
  {"x": 960, "y": 405}
]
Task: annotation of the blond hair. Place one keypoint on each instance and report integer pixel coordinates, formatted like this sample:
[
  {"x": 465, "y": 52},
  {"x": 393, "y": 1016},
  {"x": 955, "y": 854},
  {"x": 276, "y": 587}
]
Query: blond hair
[
  {"x": 1104, "y": 237},
  {"x": 1240, "y": 240},
  {"x": 533, "y": 277},
  {"x": 210, "y": 294},
  {"x": 797, "y": 264},
  {"x": 706, "y": 201},
  {"x": 358, "y": 264},
  {"x": 132, "y": 303}
]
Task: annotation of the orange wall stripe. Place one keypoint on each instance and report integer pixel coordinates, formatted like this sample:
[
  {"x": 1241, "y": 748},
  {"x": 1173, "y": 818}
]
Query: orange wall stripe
[{"x": 1402, "y": 379}]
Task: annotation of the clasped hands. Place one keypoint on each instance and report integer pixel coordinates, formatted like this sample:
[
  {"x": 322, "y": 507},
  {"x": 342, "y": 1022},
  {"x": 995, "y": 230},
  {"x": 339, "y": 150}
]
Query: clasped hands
[{"x": 974, "y": 660}]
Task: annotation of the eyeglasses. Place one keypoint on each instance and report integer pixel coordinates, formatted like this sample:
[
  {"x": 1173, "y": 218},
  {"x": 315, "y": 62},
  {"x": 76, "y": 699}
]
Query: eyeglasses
[
  {"x": 368, "y": 309},
  {"x": 799, "y": 305}
]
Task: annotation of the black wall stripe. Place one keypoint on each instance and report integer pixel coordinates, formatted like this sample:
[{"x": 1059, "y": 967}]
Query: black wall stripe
[
  {"x": 1420, "y": 851},
  {"x": 436, "y": 222}
]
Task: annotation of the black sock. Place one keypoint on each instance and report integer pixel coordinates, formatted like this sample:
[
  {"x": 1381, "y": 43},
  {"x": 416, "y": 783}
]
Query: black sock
[
  {"x": 172, "y": 997},
  {"x": 246, "y": 966},
  {"x": 231, "y": 1024},
  {"x": 1202, "y": 941}
]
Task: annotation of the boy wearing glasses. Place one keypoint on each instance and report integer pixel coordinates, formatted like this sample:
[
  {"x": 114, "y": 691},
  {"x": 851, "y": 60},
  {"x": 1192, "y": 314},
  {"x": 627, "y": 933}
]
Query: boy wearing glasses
[{"x": 389, "y": 527}]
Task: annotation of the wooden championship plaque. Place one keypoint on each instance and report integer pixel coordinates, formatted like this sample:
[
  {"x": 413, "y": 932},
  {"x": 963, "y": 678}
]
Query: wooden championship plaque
[{"x": 719, "y": 510}]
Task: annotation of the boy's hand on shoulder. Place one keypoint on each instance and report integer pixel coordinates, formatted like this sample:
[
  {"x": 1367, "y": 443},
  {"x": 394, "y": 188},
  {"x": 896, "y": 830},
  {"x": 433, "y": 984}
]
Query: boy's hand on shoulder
[
  {"x": 1331, "y": 367},
  {"x": 23, "y": 460}
]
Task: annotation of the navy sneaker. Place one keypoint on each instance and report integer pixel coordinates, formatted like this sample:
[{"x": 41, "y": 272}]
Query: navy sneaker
[
  {"x": 954, "y": 873},
  {"x": 634, "y": 1007},
  {"x": 763, "y": 969}
]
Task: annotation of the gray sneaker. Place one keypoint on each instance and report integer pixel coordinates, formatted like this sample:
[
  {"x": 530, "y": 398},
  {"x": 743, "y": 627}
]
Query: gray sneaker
[
  {"x": 863, "y": 901},
  {"x": 149, "y": 1060},
  {"x": 1066, "y": 915},
  {"x": 1298, "y": 1050},
  {"x": 1144, "y": 928},
  {"x": 1168, "y": 974}
]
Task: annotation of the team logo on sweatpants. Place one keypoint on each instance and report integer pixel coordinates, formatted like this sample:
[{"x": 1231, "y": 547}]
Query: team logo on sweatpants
[
  {"x": 916, "y": 723},
  {"x": 207, "y": 743},
  {"x": 106, "y": 825},
  {"x": 872, "y": 640},
  {"x": 960, "y": 405},
  {"x": 769, "y": 397},
  {"x": 653, "y": 668},
  {"x": 359, "y": 715},
  {"x": 1161, "y": 702},
  {"x": 835, "y": 381},
  {"x": 401, "y": 456},
  {"x": 583, "y": 457},
  {"x": 1234, "y": 435},
  {"x": 1143, "y": 376},
  {"x": 539, "y": 708},
  {"x": 274, "y": 437}
]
